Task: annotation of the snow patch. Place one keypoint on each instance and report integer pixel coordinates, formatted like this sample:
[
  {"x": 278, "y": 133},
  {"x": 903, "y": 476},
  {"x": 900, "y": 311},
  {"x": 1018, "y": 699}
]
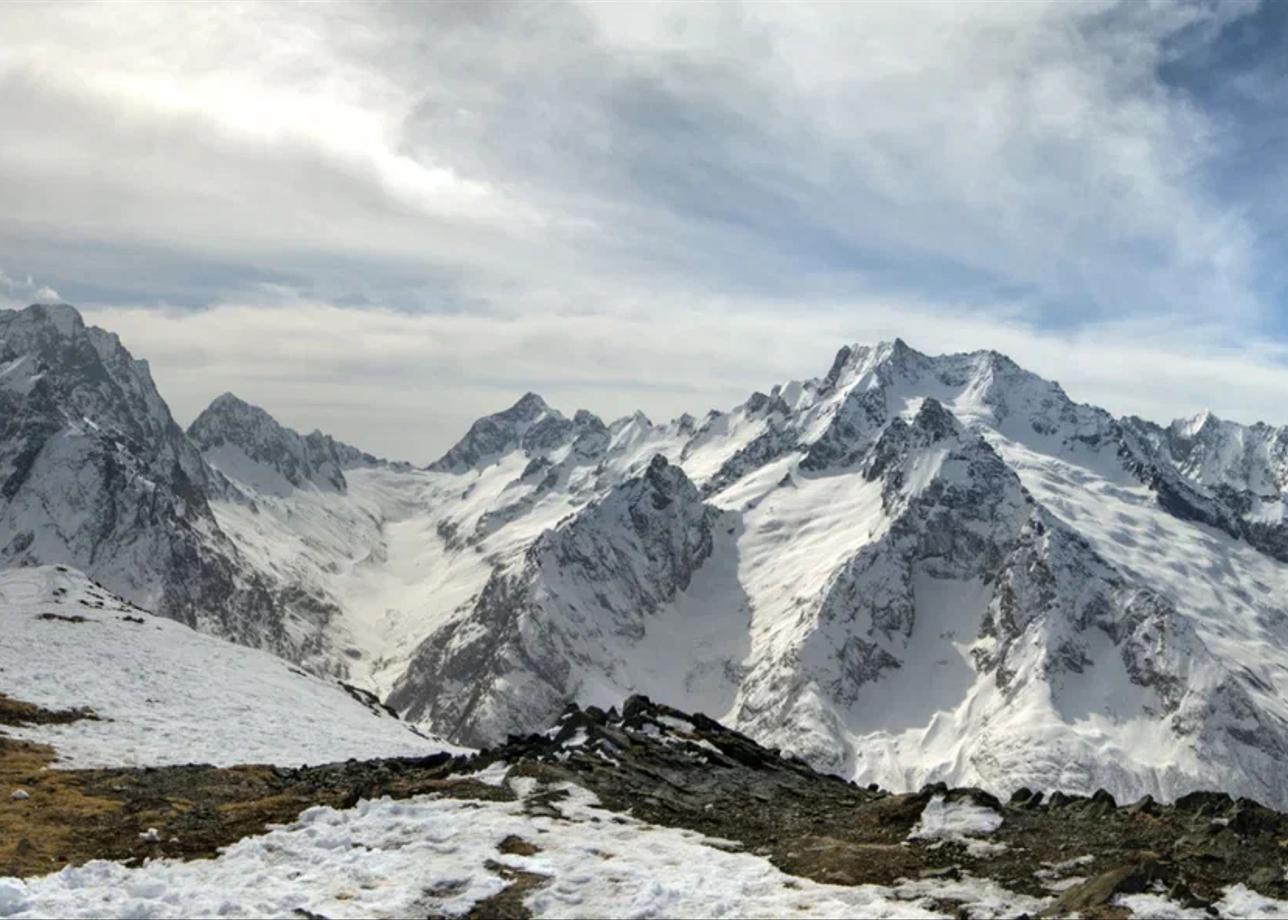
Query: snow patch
[{"x": 954, "y": 821}]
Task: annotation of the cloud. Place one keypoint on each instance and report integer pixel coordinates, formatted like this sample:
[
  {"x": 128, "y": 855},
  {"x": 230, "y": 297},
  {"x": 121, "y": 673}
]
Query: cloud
[
  {"x": 1022, "y": 147},
  {"x": 660, "y": 205},
  {"x": 22, "y": 291}
]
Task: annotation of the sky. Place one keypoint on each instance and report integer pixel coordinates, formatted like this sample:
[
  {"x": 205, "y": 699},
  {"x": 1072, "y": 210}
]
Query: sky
[{"x": 387, "y": 219}]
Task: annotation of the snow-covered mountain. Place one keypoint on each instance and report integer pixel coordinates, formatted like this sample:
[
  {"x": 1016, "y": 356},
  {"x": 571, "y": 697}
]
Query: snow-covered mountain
[
  {"x": 912, "y": 568},
  {"x": 97, "y": 475},
  {"x": 248, "y": 446}
]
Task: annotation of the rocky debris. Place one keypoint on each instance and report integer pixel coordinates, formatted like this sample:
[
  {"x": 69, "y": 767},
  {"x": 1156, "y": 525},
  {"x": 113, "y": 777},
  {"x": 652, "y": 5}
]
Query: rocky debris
[
  {"x": 1096, "y": 894},
  {"x": 74, "y": 618},
  {"x": 19, "y": 712}
]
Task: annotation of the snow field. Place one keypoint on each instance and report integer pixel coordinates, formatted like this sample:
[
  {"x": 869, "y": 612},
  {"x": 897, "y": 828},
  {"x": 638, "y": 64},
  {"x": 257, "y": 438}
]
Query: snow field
[{"x": 166, "y": 694}]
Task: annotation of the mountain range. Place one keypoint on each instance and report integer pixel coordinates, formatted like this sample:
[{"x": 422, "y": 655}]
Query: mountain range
[{"x": 911, "y": 569}]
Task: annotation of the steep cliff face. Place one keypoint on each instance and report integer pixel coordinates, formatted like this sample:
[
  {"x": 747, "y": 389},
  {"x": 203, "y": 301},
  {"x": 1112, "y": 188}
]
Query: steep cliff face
[{"x": 95, "y": 471}]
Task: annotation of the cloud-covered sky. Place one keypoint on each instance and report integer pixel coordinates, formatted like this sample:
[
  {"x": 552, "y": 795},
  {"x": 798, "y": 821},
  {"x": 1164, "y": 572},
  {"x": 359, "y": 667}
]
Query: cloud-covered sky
[{"x": 387, "y": 219}]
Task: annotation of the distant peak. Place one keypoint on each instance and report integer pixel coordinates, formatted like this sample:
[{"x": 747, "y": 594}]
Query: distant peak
[
  {"x": 529, "y": 406},
  {"x": 230, "y": 400},
  {"x": 894, "y": 353},
  {"x": 230, "y": 404}
]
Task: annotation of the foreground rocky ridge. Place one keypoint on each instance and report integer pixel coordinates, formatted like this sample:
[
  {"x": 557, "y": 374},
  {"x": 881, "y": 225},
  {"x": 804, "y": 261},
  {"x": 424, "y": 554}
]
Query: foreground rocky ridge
[
  {"x": 1205, "y": 855},
  {"x": 673, "y": 768}
]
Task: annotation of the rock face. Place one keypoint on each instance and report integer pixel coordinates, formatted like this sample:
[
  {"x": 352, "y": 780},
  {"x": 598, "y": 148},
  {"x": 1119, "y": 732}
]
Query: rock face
[
  {"x": 1222, "y": 474},
  {"x": 97, "y": 474},
  {"x": 563, "y": 623},
  {"x": 912, "y": 569}
]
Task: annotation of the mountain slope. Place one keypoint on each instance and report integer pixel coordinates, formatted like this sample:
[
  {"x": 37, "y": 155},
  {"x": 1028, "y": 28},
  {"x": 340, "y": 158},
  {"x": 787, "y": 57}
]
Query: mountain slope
[
  {"x": 162, "y": 693},
  {"x": 913, "y": 568},
  {"x": 606, "y": 603}
]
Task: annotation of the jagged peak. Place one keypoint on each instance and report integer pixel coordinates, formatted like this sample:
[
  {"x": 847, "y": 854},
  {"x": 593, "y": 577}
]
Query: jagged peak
[
  {"x": 637, "y": 420},
  {"x": 528, "y": 407},
  {"x": 229, "y": 401},
  {"x": 492, "y": 435},
  {"x": 661, "y": 483},
  {"x": 214, "y": 420},
  {"x": 856, "y": 359}
]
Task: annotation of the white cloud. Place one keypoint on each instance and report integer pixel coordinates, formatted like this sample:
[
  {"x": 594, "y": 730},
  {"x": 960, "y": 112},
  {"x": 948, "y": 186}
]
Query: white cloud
[
  {"x": 655, "y": 205},
  {"x": 19, "y": 292},
  {"x": 517, "y": 146}
]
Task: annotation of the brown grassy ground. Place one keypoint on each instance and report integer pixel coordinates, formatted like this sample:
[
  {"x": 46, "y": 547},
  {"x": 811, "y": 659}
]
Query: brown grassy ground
[{"x": 72, "y": 816}]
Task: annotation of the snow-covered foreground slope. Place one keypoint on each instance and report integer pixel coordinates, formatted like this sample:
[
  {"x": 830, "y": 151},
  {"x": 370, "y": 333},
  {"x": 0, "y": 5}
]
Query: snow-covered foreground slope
[{"x": 166, "y": 694}]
